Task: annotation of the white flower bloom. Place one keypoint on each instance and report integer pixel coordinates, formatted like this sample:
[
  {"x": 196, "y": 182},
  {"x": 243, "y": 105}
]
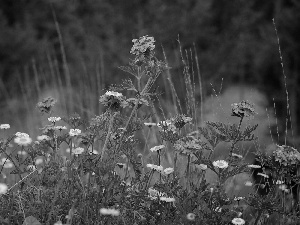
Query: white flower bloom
[
  {"x": 222, "y": 164},
  {"x": 157, "y": 148},
  {"x": 4, "y": 126},
  {"x": 74, "y": 132},
  {"x": 31, "y": 167},
  {"x": 22, "y": 153},
  {"x": 78, "y": 150},
  {"x": 23, "y": 140},
  {"x": 238, "y": 198},
  {"x": 167, "y": 199},
  {"x": 39, "y": 161},
  {"x": 113, "y": 93},
  {"x": 112, "y": 212},
  {"x": 150, "y": 124},
  {"x": 155, "y": 167},
  {"x": 43, "y": 137},
  {"x": 279, "y": 182},
  {"x": 60, "y": 128},
  {"x": 3, "y": 188},
  {"x": 54, "y": 119},
  {"x": 254, "y": 166},
  {"x": 168, "y": 171},
  {"x": 263, "y": 175},
  {"x": 191, "y": 216},
  {"x": 238, "y": 221},
  {"x": 201, "y": 166},
  {"x": 19, "y": 134}
]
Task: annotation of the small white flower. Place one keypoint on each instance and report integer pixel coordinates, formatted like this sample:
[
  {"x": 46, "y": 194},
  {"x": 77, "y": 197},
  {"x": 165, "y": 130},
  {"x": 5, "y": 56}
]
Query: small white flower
[
  {"x": 112, "y": 212},
  {"x": 155, "y": 167},
  {"x": 191, "y": 216},
  {"x": 169, "y": 170},
  {"x": 19, "y": 134},
  {"x": 238, "y": 221},
  {"x": 22, "y": 153},
  {"x": 238, "y": 198},
  {"x": 43, "y": 137},
  {"x": 157, "y": 148},
  {"x": 222, "y": 164},
  {"x": 74, "y": 132},
  {"x": 167, "y": 199},
  {"x": 54, "y": 119},
  {"x": 23, "y": 140},
  {"x": 113, "y": 93},
  {"x": 279, "y": 182},
  {"x": 4, "y": 126},
  {"x": 31, "y": 167},
  {"x": 78, "y": 150},
  {"x": 263, "y": 175},
  {"x": 3, "y": 188},
  {"x": 254, "y": 166},
  {"x": 150, "y": 124}
]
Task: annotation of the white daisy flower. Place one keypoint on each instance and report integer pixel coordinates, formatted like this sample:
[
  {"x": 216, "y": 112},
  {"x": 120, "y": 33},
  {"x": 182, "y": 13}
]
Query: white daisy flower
[
  {"x": 238, "y": 221},
  {"x": 150, "y": 124},
  {"x": 3, "y": 188},
  {"x": 78, "y": 150},
  {"x": 23, "y": 140},
  {"x": 248, "y": 183},
  {"x": 191, "y": 216},
  {"x": 39, "y": 161},
  {"x": 6, "y": 163},
  {"x": 74, "y": 132},
  {"x": 43, "y": 137},
  {"x": 4, "y": 126},
  {"x": 222, "y": 164},
  {"x": 167, "y": 199},
  {"x": 155, "y": 167},
  {"x": 112, "y": 212},
  {"x": 201, "y": 166},
  {"x": 157, "y": 148},
  {"x": 113, "y": 93},
  {"x": 19, "y": 134},
  {"x": 54, "y": 119}
]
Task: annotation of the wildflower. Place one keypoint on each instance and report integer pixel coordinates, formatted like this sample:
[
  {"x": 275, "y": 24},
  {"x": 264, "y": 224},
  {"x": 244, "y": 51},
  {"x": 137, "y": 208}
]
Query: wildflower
[
  {"x": 191, "y": 216},
  {"x": 254, "y": 166},
  {"x": 46, "y": 105},
  {"x": 286, "y": 155},
  {"x": 150, "y": 124},
  {"x": 112, "y": 212},
  {"x": 218, "y": 209},
  {"x": 157, "y": 148},
  {"x": 279, "y": 182},
  {"x": 166, "y": 199},
  {"x": 3, "y": 188},
  {"x": 238, "y": 198},
  {"x": 19, "y": 134},
  {"x": 248, "y": 183},
  {"x": 113, "y": 93},
  {"x": 168, "y": 171},
  {"x": 141, "y": 45},
  {"x": 152, "y": 193},
  {"x": 23, "y": 140},
  {"x": 222, "y": 164},
  {"x": 242, "y": 109},
  {"x": 201, "y": 166},
  {"x": 74, "y": 132},
  {"x": 4, "y": 126},
  {"x": 263, "y": 175},
  {"x": 54, "y": 119},
  {"x": 238, "y": 221},
  {"x": 43, "y": 137},
  {"x": 60, "y": 128},
  {"x": 155, "y": 167},
  {"x": 78, "y": 150},
  {"x": 31, "y": 167}
]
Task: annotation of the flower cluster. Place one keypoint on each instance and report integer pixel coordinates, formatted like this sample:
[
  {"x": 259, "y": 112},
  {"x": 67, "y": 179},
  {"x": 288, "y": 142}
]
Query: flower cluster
[
  {"x": 142, "y": 45},
  {"x": 188, "y": 145},
  {"x": 242, "y": 109},
  {"x": 114, "y": 100},
  {"x": 286, "y": 155}
]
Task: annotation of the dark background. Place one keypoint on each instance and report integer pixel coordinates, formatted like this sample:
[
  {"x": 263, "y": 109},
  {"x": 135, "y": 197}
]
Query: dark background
[{"x": 76, "y": 45}]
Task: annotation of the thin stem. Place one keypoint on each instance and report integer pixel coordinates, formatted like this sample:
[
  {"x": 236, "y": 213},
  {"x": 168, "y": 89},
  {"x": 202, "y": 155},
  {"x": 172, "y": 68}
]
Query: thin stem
[{"x": 258, "y": 217}]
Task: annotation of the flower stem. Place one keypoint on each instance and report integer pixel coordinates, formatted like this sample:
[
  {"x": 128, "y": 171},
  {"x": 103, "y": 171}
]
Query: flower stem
[{"x": 258, "y": 217}]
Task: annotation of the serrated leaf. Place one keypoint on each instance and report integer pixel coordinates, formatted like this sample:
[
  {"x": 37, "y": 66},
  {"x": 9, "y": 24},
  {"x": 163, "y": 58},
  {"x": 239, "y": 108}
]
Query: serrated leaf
[{"x": 31, "y": 220}]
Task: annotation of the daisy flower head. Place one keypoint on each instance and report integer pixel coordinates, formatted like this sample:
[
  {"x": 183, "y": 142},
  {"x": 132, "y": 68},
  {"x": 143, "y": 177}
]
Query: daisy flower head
[
  {"x": 43, "y": 138},
  {"x": 113, "y": 93},
  {"x": 19, "y": 134},
  {"x": 3, "y": 188},
  {"x": 111, "y": 212},
  {"x": 248, "y": 183},
  {"x": 155, "y": 167},
  {"x": 201, "y": 166},
  {"x": 238, "y": 221},
  {"x": 4, "y": 126},
  {"x": 191, "y": 216},
  {"x": 114, "y": 100},
  {"x": 254, "y": 166},
  {"x": 78, "y": 151},
  {"x": 156, "y": 148},
  {"x": 222, "y": 164},
  {"x": 168, "y": 171},
  {"x": 54, "y": 119},
  {"x": 150, "y": 124},
  {"x": 60, "y": 128},
  {"x": 23, "y": 140},
  {"x": 74, "y": 132}
]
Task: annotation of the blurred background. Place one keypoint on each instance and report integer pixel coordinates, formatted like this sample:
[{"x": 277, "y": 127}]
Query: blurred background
[{"x": 71, "y": 50}]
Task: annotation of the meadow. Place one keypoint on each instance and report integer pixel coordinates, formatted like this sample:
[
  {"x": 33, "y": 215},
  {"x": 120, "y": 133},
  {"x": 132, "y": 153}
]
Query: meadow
[{"x": 145, "y": 160}]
